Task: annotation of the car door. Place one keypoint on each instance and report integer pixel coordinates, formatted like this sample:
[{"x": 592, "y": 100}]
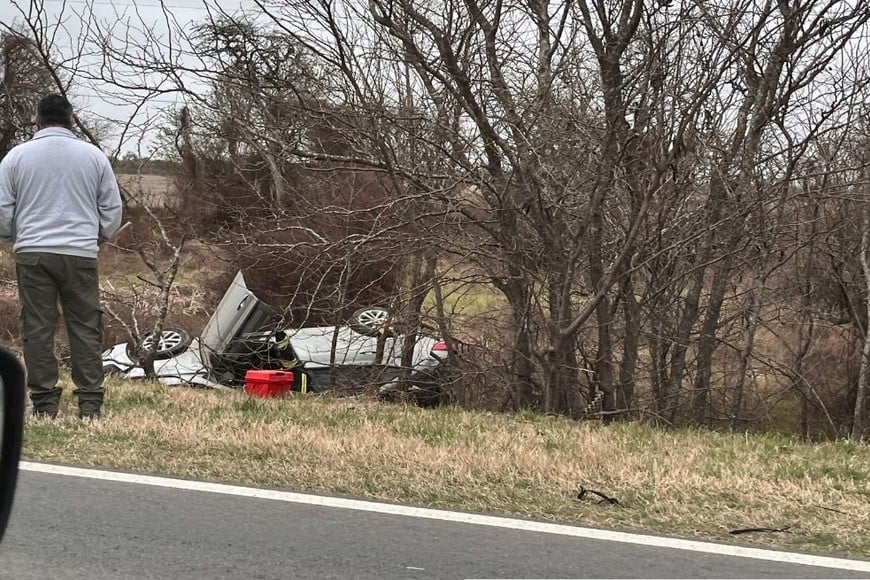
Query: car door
[{"x": 233, "y": 311}]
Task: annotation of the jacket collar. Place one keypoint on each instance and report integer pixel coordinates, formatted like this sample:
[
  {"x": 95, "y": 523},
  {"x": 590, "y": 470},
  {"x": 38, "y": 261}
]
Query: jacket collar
[{"x": 54, "y": 132}]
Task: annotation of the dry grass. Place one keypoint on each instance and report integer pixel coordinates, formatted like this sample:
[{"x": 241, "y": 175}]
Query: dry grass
[{"x": 685, "y": 483}]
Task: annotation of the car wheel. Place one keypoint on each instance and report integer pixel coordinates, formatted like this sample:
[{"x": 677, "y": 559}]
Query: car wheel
[
  {"x": 171, "y": 342},
  {"x": 372, "y": 321}
]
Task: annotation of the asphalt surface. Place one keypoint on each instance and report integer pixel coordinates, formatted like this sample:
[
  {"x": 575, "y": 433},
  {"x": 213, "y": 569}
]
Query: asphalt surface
[{"x": 73, "y": 528}]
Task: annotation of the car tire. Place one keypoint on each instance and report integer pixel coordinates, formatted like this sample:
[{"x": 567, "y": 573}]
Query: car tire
[
  {"x": 371, "y": 321},
  {"x": 172, "y": 341}
]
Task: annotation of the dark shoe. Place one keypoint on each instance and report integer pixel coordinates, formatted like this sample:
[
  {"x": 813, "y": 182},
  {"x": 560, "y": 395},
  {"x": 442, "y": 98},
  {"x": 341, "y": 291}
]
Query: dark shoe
[
  {"x": 45, "y": 403},
  {"x": 90, "y": 414},
  {"x": 89, "y": 408},
  {"x": 48, "y": 414}
]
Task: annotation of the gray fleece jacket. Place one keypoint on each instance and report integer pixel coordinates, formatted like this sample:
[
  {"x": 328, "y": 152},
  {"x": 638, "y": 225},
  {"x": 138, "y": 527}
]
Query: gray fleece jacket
[{"x": 58, "y": 194}]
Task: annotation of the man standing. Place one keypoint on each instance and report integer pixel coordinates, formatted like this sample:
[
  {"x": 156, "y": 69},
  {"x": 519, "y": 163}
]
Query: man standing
[{"x": 59, "y": 202}]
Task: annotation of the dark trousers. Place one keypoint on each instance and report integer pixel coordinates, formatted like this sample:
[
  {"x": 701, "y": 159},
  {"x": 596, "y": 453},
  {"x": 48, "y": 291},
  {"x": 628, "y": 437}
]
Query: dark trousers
[{"x": 44, "y": 281}]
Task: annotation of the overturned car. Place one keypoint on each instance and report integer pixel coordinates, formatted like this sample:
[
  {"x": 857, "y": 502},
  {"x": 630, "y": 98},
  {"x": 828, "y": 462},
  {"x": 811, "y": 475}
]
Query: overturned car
[{"x": 244, "y": 333}]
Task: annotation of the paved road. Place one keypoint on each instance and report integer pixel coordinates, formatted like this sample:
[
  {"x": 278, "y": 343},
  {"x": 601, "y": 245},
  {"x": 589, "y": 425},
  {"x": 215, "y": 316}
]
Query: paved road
[{"x": 74, "y": 528}]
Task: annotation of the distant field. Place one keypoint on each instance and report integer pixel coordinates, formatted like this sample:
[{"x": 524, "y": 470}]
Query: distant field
[{"x": 150, "y": 190}]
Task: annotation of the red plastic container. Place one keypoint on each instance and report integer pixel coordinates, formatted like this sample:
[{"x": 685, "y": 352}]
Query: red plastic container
[{"x": 266, "y": 384}]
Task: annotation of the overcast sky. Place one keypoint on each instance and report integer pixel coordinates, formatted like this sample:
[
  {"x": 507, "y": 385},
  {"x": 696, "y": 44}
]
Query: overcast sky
[{"x": 65, "y": 19}]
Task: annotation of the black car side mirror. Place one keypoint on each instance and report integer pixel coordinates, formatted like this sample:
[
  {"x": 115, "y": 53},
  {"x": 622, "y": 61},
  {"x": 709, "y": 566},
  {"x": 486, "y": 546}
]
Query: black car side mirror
[{"x": 11, "y": 429}]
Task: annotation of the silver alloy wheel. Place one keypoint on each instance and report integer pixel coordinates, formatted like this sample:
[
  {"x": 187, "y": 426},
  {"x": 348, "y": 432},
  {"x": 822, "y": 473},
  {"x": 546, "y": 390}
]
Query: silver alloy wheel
[
  {"x": 169, "y": 340},
  {"x": 371, "y": 321},
  {"x": 374, "y": 318}
]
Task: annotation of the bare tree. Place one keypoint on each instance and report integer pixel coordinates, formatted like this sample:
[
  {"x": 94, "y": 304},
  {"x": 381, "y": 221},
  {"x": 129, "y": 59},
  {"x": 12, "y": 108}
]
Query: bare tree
[
  {"x": 863, "y": 385},
  {"x": 22, "y": 79},
  {"x": 631, "y": 183}
]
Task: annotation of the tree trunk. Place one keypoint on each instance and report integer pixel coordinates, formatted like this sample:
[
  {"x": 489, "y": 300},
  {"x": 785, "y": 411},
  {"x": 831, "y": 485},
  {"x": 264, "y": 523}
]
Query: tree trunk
[
  {"x": 864, "y": 374},
  {"x": 604, "y": 356},
  {"x": 708, "y": 342},
  {"x": 518, "y": 294},
  {"x": 688, "y": 317},
  {"x": 659, "y": 348},
  {"x": 419, "y": 287},
  {"x": 561, "y": 391},
  {"x": 806, "y": 340},
  {"x": 279, "y": 188},
  {"x": 631, "y": 308},
  {"x": 752, "y": 320}
]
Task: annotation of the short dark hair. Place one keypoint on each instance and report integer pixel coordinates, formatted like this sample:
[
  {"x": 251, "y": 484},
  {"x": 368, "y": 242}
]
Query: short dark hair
[{"x": 54, "y": 109}]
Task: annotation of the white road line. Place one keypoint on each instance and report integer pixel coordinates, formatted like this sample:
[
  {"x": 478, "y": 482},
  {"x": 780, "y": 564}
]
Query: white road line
[{"x": 455, "y": 517}]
